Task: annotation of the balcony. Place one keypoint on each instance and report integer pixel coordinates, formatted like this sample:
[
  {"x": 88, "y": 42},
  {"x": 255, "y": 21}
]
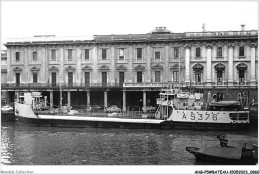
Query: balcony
[
  {"x": 57, "y": 85},
  {"x": 221, "y": 34},
  {"x": 145, "y": 85}
]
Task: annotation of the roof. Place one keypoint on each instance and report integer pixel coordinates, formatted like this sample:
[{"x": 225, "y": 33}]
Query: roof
[{"x": 160, "y": 30}]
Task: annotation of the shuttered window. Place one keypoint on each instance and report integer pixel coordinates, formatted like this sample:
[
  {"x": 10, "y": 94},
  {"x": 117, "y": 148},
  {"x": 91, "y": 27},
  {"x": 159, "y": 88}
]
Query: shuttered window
[
  {"x": 139, "y": 53},
  {"x": 53, "y": 55},
  {"x": 198, "y": 54},
  {"x": 69, "y": 54},
  {"x": 34, "y": 56},
  {"x": 157, "y": 76},
  {"x": 86, "y": 54},
  {"x": 17, "y": 56},
  {"x": 219, "y": 52},
  {"x": 104, "y": 54}
]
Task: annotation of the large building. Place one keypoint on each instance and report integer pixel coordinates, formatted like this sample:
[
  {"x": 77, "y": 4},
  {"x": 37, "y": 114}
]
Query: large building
[
  {"x": 130, "y": 70},
  {"x": 3, "y": 74}
]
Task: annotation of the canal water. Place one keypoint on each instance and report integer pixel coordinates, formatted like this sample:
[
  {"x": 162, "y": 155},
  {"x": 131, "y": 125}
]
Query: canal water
[{"x": 27, "y": 145}]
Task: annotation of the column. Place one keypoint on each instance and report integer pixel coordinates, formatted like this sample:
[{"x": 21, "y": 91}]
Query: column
[
  {"x": 51, "y": 99},
  {"x": 124, "y": 101},
  {"x": 230, "y": 64},
  {"x": 88, "y": 99},
  {"x": 105, "y": 100},
  {"x": 113, "y": 63},
  {"x": 148, "y": 55},
  {"x": 166, "y": 73},
  {"x": 252, "y": 75},
  {"x": 209, "y": 80},
  {"x": 78, "y": 71},
  {"x": 187, "y": 64},
  {"x": 144, "y": 99},
  {"x": 95, "y": 65},
  {"x": 68, "y": 94}
]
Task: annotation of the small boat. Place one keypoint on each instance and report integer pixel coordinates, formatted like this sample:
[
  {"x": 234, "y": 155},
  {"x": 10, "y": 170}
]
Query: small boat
[{"x": 233, "y": 150}]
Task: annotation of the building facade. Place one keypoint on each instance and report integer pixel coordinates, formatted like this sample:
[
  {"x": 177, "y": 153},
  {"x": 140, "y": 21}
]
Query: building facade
[
  {"x": 130, "y": 70},
  {"x": 3, "y": 75}
]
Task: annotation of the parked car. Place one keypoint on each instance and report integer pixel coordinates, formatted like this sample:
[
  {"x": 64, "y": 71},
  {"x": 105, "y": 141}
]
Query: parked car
[
  {"x": 7, "y": 108},
  {"x": 95, "y": 108},
  {"x": 113, "y": 108}
]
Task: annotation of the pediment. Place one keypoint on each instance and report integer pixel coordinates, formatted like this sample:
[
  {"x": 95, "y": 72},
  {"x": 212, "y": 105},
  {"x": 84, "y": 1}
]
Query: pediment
[
  {"x": 121, "y": 67},
  {"x": 70, "y": 68},
  {"x": 35, "y": 69},
  {"x": 54, "y": 69},
  {"x": 198, "y": 67},
  {"x": 86, "y": 68},
  {"x": 17, "y": 69},
  {"x": 175, "y": 66},
  {"x": 219, "y": 66},
  {"x": 104, "y": 67},
  {"x": 139, "y": 67},
  {"x": 241, "y": 66},
  {"x": 157, "y": 66}
]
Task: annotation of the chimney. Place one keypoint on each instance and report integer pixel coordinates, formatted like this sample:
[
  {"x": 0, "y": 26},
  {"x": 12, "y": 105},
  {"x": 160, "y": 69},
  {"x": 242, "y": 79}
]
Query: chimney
[
  {"x": 204, "y": 28},
  {"x": 243, "y": 27}
]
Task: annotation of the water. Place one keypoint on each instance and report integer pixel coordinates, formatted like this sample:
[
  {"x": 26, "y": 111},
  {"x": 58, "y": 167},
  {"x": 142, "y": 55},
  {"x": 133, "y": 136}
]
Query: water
[{"x": 26, "y": 145}]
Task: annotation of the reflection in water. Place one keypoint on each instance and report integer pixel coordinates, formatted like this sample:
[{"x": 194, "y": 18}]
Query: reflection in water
[{"x": 25, "y": 145}]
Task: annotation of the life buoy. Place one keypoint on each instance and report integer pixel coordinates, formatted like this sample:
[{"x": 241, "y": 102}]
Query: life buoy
[{"x": 169, "y": 103}]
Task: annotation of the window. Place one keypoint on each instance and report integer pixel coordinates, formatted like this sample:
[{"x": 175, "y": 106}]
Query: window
[
  {"x": 219, "y": 51},
  {"x": 139, "y": 77},
  {"x": 70, "y": 78},
  {"x": 241, "y": 75},
  {"x": 34, "y": 77},
  {"x": 121, "y": 78},
  {"x": 176, "y": 52},
  {"x": 104, "y": 54},
  {"x": 53, "y": 55},
  {"x": 157, "y": 76},
  {"x": 157, "y": 55},
  {"x": 53, "y": 78},
  {"x": 121, "y": 54},
  {"x": 86, "y": 54},
  {"x": 219, "y": 75},
  {"x": 17, "y": 56},
  {"x": 198, "y": 77},
  {"x": 176, "y": 76},
  {"x": 104, "y": 78},
  {"x": 87, "y": 78},
  {"x": 34, "y": 56},
  {"x": 139, "y": 53},
  {"x": 17, "y": 78},
  {"x": 198, "y": 54},
  {"x": 241, "y": 51},
  {"x": 69, "y": 54}
]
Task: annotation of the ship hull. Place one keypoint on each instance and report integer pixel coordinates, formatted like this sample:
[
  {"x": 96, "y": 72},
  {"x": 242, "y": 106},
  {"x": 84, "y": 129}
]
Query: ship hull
[
  {"x": 203, "y": 126},
  {"x": 26, "y": 115},
  {"x": 87, "y": 123},
  {"x": 165, "y": 125},
  {"x": 7, "y": 117}
]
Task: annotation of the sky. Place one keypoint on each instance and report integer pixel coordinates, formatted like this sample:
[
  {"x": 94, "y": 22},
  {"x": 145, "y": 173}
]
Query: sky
[{"x": 21, "y": 19}]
